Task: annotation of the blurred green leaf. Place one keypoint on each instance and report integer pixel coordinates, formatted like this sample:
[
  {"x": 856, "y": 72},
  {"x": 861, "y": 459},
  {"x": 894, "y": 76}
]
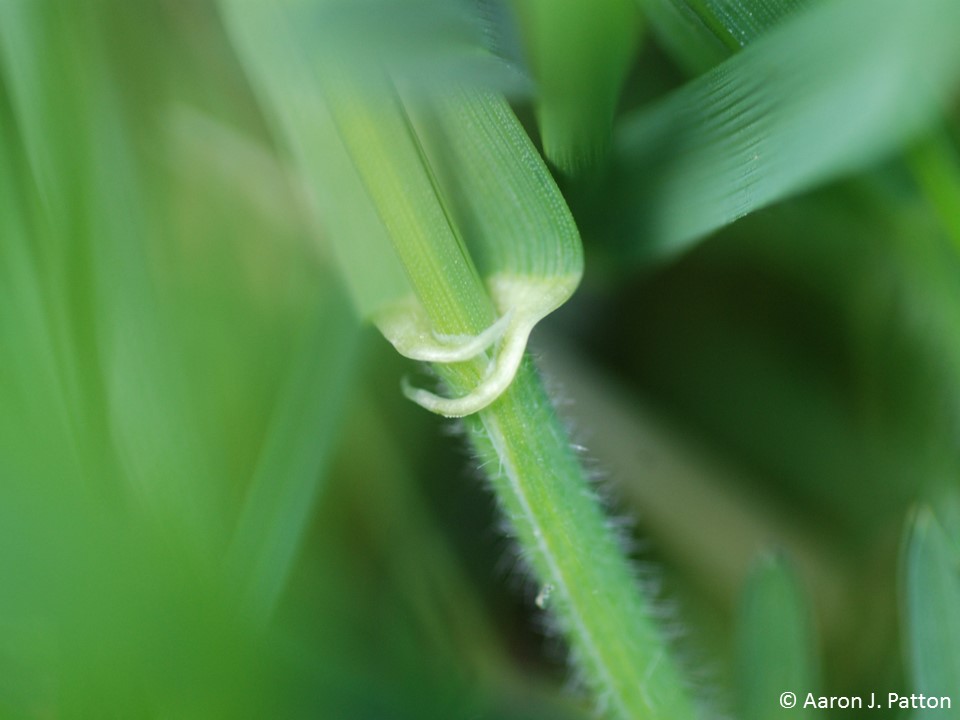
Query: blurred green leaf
[
  {"x": 579, "y": 52},
  {"x": 931, "y": 608},
  {"x": 806, "y": 103},
  {"x": 701, "y": 33},
  {"x": 935, "y": 162},
  {"x": 294, "y": 458},
  {"x": 776, "y": 648},
  {"x": 434, "y": 43},
  {"x": 285, "y": 70},
  {"x": 145, "y": 319}
]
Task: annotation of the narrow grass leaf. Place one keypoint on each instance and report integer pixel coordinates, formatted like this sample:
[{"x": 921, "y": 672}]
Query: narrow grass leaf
[
  {"x": 131, "y": 405},
  {"x": 286, "y": 84},
  {"x": 931, "y": 609},
  {"x": 292, "y": 464},
  {"x": 529, "y": 256},
  {"x": 776, "y": 649},
  {"x": 806, "y": 103},
  {"x": 115, "y": 480},
  {"x": 935, "y": 162},
  {"x": 579, "y": 53},
  {"x": 438, "y": 42},
  {"x": 701, "y": 33}
]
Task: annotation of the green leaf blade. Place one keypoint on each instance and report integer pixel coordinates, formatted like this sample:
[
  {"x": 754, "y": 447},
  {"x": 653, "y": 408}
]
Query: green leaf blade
[
  {"x": 580, "y": 53},
  {"x": 292, "y": 465},
  {"x": 805, "y": 104},
  {"x": 931, "y": 609},
  {"x": 700, "y": 33},
  {"x": 775, "y": 643}
]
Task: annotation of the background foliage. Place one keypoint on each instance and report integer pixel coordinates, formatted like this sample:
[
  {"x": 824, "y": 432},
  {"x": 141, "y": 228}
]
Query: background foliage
[{"x": 214, "y": 501}]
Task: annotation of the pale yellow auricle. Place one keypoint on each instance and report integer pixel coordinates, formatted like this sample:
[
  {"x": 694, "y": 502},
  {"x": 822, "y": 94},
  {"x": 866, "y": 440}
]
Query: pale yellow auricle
[{"x": 524, "y": 301}]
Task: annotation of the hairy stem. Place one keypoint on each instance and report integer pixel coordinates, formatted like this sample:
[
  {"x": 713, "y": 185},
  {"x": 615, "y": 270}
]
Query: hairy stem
[{"x": 587, "y": 582}]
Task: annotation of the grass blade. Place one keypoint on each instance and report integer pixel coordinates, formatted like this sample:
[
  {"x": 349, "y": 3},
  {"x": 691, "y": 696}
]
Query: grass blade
[
  {"x": 805, "y": 104},
  {"x": 142, "y": 348},
  {"x": 770, "y": 663},
  {"x": 579, "y": 53},
  {"x": 293, "y": 460},
  {"x": 935, "y": 163},
  {"x": 701, "y": 33},
  {"x": 931, "y": 608}
]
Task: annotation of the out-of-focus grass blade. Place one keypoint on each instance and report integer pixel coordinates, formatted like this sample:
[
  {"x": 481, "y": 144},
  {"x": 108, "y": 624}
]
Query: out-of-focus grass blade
[
  {"x": 701, "y": 33},
  {"x": 130, "y": 415},
  {"x": 776, "y": 650},
  {"x": 931, "y": 608},
  {"x": 436, "y": 41},
  {"x": 131, "y": 408},
  {"x": 579, "y": 51},
  {"x": 288, "y": 87},
  {"x": 287, "y": 469},
  {"x": 294, "y": 457},
  {"x": 935, "y": 162},
  {"x": 42, "y": 115},
  {"x": 32, "y": 385},
  {"x": 378, "y": 554},
  {"x": 808, "y": 102}
]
